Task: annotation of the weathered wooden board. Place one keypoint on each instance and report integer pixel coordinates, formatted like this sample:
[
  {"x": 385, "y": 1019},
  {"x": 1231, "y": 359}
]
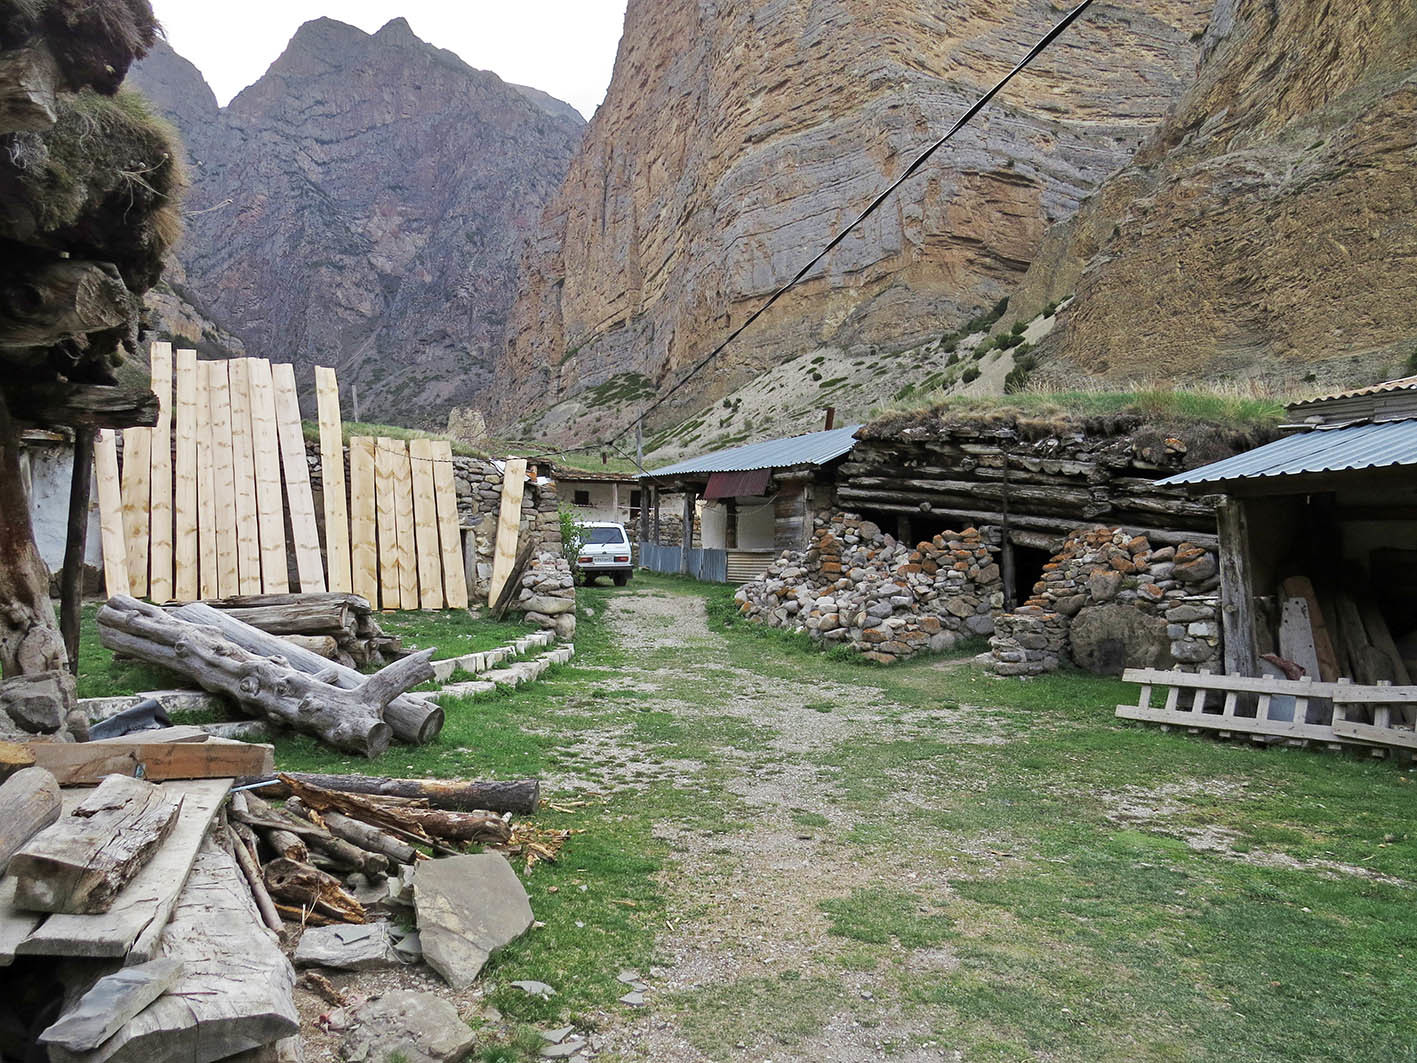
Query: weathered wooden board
[
  {"x": 228, "y": 579},
  {"x": 243, "y": 457},
  {"x": 236, "y": 991},
  {"x": 186, "y": 580},
  {"x": 110, "y": 513},
  {"x": 80, "y": 863},
  {"x": 111, "y": 1002},
  {"x": 364, "y": 545},
  {"x": 209, "y": 581},
  {"x": 425, "y": 525},
  {"x": 449, "y": 537},
  {"x": 133, "y": 925},
  {"x": 390, "y": 595},
  {"x": 160, "y": 492},
  {"x": 304, "y": 530},
  {"x": 1296, "y": 636},
  {"x": 270, "y": 509},
  {"x": 137, "y": 480},
  {"x": 16, "y": 924},
  {"x": 1300, "y": 587},
  {"x": 509, "y": 520},
  {"x": 403, "y": 521},
  {"x": 86, "y": 763},
  {"x": 337, "y": 560},
  {"x": 30, "y": 801}
]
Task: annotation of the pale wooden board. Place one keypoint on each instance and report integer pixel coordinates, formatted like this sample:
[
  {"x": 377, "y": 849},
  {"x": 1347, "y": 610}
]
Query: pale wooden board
[
  {"x": 403, "y": 517},
  {"x": 449, "y": 537},
  {"x": 1296, "y": 636},
  {"x": 270, "y": 507},
  {"x": 388, "y": 524},
  {"x": 425, "y": 525},
  {"x": 248, "y": 538},
  {"x": 364, "y": 546},
  {"x": 186, "y": 584},
  {"x": 85, "y": 763},
  {"x": 223, "y": 479},
  {"x": 304, "y": 530},
  {"x": 133, "y": 925},
  {"x": 509, "y": 520},
  {"x": 137, "y": 480},
  {"x": 337, "y": 552},
  {"x": 110, "y": 513},
  {"x": 160, "y": 494},
  {"x": 209, "y": 583}
]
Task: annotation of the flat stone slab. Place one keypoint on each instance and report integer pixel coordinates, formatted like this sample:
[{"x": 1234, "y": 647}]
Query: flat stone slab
[
  {"x": 346, "y": 948},
  {"x": 417, "y": 1027},
  {"x": 113, "y": 1000},
  {"x": 467, "y": 908}
]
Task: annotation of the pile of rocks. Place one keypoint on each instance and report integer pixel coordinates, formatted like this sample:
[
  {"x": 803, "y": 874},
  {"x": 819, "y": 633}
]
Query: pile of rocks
[
  {"x": 548, "y": 594},
  {"x": 858, "y": 586},
  {"x": 1029, "y": 641}
]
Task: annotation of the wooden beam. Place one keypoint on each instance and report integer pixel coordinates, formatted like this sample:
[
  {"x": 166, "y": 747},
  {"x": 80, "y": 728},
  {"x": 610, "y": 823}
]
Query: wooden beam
[
  {"x": 160, "y": 494},
  {"x": 337, "y": 558},
  {"x": 270, "y": 508},
  {"x": 243, "y": 457},
  {"x": 62, "y": 404},
  {"x": 57, "y": 300},
  {"x": 71, "y": 580},
  {"x": 86, "y": 763},
  {"x": 187, "y": 586},
  {"x": 309, "y": 564},
  {"x": 509, "y": 519},
  {"x": 31, "y": 802},
  {"x": 425, "y": 525},
  {"x": 364, "y": 546},
  {"x": 449, "y": 536},
  {"x": 110, "y": 514},
  {"x": 1237, "y": 592}
]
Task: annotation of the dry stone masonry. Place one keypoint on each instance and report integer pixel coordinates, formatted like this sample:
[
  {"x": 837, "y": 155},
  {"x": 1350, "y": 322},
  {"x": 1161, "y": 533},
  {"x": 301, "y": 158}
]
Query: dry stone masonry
[
  {"x": 548, "y": 594},
  {"x": 858, "y": 586}
]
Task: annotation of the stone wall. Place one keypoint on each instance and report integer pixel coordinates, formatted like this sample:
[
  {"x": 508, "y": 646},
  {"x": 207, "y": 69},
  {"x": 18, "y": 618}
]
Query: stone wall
[
  {"x": 548, "y": 594},
  {"x": 858, "y": 586}
]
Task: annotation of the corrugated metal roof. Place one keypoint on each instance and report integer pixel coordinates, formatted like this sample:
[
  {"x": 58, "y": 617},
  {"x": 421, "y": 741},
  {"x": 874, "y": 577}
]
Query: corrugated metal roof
[
  {"x": 1401, "y": 384},
  {"x": 815, "y": 448},
  {"x": 1359, "y": 446}
]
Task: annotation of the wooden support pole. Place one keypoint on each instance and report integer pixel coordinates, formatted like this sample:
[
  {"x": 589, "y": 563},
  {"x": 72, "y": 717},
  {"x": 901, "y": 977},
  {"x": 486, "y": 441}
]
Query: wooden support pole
[
  {"x": 71, "y": 580},
  {"x": 688, "y": 530},
  {"x": 1237, "y": 593}
]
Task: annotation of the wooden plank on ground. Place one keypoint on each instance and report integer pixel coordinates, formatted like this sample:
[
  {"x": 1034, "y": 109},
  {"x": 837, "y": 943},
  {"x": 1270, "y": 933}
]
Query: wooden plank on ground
[
  {"x": 86, "y": 763},
  {"x": 270, "y": 508},
  {"x": 425, "y": 525},
  {"x": 160, "y": 492},
  {"x": 304, "y": 530},
  {"x": 186, "y": 587},
  {"x": 337, "y": 555},
  {"x": 388, "y": 551},
  {"x": 243, "y": 457},
  {"x": 81, "y": 863},
  {"x": 364, "y": 548},
  {"x": 449, "y": 537},
  {"x": 509, "y": 520},
  {"x": 137, "y": 482},
  {"x": 403, "y": 519},
  {"x": 110, "y": 513},
  {"x": 209, "y": 581},
  {"x": 134, "y": 924},
  {"x": 223, "y": 479}
]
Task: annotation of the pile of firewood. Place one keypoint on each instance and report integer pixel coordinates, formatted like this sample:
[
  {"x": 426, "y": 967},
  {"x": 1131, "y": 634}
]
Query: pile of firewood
[{"x": 339, "y": 627}]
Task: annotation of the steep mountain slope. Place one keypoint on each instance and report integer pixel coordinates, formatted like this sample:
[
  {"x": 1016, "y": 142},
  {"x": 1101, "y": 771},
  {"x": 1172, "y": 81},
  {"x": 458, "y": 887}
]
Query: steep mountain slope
[
  {"x": 363, "y": 205},
  {"x": 1268, "y": 230},
  {"x": 737, "y": 136}
]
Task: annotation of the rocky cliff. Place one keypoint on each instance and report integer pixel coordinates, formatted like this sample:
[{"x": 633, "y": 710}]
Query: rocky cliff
[
  {"x": 364, "y": 205},
  {"x": 1266, "y": 230},
  {"x": 736, "y": 137}
]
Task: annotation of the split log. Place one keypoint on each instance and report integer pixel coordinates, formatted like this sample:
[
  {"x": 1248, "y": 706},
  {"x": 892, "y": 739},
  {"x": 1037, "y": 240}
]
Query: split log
[
  {"x": 243, "y": 848},
  {"x": 58, "y": 404},
  {"x": 412, "y": 718},
  {"x": 455, "y": 795},
  {"x": 79, "y": 864},
  {"x": 349, "y": 719},
  {"x": 61, "y": 299},
  {"x": 310, "y": 888},
  {"x": 297, "y": 617},
  {"x": 356, "y": 833},
  {"x": 30, "y": 801},
  {"x": 323, "y": 645}
]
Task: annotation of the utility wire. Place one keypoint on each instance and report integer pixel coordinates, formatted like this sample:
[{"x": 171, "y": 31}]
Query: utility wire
[{"x": 910, "y": 171}]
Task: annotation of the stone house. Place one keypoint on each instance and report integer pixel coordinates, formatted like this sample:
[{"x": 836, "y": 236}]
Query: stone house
[{"x": 599, "y": 496}]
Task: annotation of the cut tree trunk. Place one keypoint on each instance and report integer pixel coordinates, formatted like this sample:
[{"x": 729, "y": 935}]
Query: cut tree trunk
[
  {"x": 361, "y": 834},
  {"x": 59, "y": 300},
  {"x": 460, "y": 826},
  {"x": 30, "y": 802},
  {"x": 349, "y": 719},
  {"x": 412, "y": 719},
  {"x": 311, "y": 889},
  {"x": 293, "y": 838},
  {"x": 455, "y": 795},
  {"x": 61, "y": 404}
]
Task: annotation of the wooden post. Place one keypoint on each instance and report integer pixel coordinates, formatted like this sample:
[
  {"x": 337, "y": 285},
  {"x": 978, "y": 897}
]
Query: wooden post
[
  {"x": 1236, "y": 592},
  {"x": 644, "y": 511},
  {"x": 71, "y": 580},
  {"x": 688, "y": 530}
]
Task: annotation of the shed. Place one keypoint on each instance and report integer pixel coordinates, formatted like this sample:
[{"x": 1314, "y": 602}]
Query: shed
[{"x": 743, "y": 506}]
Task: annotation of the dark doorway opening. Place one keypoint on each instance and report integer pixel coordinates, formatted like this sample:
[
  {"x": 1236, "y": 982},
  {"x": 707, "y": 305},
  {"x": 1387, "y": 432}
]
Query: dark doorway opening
[{"x": 1028, "y": 570}]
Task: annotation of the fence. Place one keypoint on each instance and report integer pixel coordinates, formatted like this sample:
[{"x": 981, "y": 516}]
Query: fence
[{"x": 707, "y": 566}]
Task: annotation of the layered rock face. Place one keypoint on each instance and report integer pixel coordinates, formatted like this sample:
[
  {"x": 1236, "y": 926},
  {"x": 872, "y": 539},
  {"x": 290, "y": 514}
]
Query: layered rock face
[
  {"x": 1266, "y": 229},
  {"x": 363, "y": 206},
  {"x": 737, "y": 137}
]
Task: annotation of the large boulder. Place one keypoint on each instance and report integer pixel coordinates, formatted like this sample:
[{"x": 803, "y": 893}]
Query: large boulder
[{"x": 1108, "y": 638}]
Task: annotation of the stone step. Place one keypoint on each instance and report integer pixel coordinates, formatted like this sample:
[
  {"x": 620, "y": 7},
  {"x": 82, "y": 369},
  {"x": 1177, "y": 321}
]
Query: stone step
[
  {"x": 477, "y": 663},
  {"x": 514, "y": 675}
]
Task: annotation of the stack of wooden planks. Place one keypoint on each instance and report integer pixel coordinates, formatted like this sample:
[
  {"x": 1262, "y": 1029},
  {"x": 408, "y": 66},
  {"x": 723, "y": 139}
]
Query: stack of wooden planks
[{"x": 340, "y": 627}]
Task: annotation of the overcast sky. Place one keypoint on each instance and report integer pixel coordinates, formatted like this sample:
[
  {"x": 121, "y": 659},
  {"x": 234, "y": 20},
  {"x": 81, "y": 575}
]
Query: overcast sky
[{"x": 564, "y": 47}]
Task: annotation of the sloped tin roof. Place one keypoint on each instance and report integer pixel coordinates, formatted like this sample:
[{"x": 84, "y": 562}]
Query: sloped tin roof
[
  {"x": 815, "y": 448},
  {"x": 1357, "y": 446},
  {"x": 1406, "y": 383}
]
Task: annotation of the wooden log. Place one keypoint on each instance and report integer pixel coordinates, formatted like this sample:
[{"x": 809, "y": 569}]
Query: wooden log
[
  {"x": 455, "y": 795},
  {"x": 353, "y": 831},
  {"x": 284, "y": 843},
  {"x": 349, "y": 719},
  {"x": 481, "y": 827},
  {"x": 30, "y": 802},
  {"x": 355, "y": 603},
  {"x": 295, "y": 838},
  {"x": 45, "y": 304},
  {"x": 81, "y": 862},
  {"x": 310, "y": 888},
  {"x": 244, "y": 851},
  {"x": 30, "y": 82},
  {"x": 297, "y": 617},
  {"x": 411, "y": 718},
  {"x": 86, "y": 763}
]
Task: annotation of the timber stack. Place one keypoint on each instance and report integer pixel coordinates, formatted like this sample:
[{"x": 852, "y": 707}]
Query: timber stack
[{"x": 340, "y": 627}]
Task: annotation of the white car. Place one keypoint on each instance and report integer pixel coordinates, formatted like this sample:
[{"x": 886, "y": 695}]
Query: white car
[{"x": 605, "y": 551}]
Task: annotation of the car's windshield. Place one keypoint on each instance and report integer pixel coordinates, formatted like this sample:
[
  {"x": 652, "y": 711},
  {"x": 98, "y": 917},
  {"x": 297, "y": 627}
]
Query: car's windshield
[{"x": 604, "y": 535}]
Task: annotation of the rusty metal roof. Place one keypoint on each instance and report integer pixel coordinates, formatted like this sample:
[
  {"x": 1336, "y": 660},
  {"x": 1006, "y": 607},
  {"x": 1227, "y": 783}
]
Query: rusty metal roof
[
  {"x": 1356, "y": 446},
  {"x": 814, "y": 448},
  {"x": 1405, "y": 383}
]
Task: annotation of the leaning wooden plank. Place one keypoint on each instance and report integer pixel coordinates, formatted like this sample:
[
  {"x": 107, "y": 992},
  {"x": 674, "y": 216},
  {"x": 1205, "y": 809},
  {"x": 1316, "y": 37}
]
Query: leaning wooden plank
[
  {"x": 160, "y": 492},
  {"x": 131, "y": 927},
  {"x": 403, "y": 522},
  {"x": 86, "y": 763},
  {"x": 449, "y": 537},
  {"x": 137, "y": 481},
  {"x": 1299, "y": 587},
  {"x": 337, "y": 556},
  {"x": 208, "y": 575},
  {"x": 30, "y": 802},
  {"x": 509, "y": 520},
  {"x": 81, "y": 862},
  {"x": 223, "y": 478},
  {"x": 1352, "y": 693},
  {"x": 270, "y": 509},
  {"x": 110, "y": 514},
  {"x": 113, "y": 1000},
  {"x": 185, "y": 500},
  {"x": 304, "y": 532},
  {"x": 243, "y": 458},
  {"x": 236, "y": 991},
  {"x": 390, "y": 593},
  {"x": 363, "y": 546},
  {"x": 1215, "y": 722},
  {"x": 425, "y": 525}
]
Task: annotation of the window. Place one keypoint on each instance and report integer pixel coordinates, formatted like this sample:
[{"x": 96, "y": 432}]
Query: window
[
  {"x": 604, "y": 535},
  {"x": 580, "y": 498}
]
